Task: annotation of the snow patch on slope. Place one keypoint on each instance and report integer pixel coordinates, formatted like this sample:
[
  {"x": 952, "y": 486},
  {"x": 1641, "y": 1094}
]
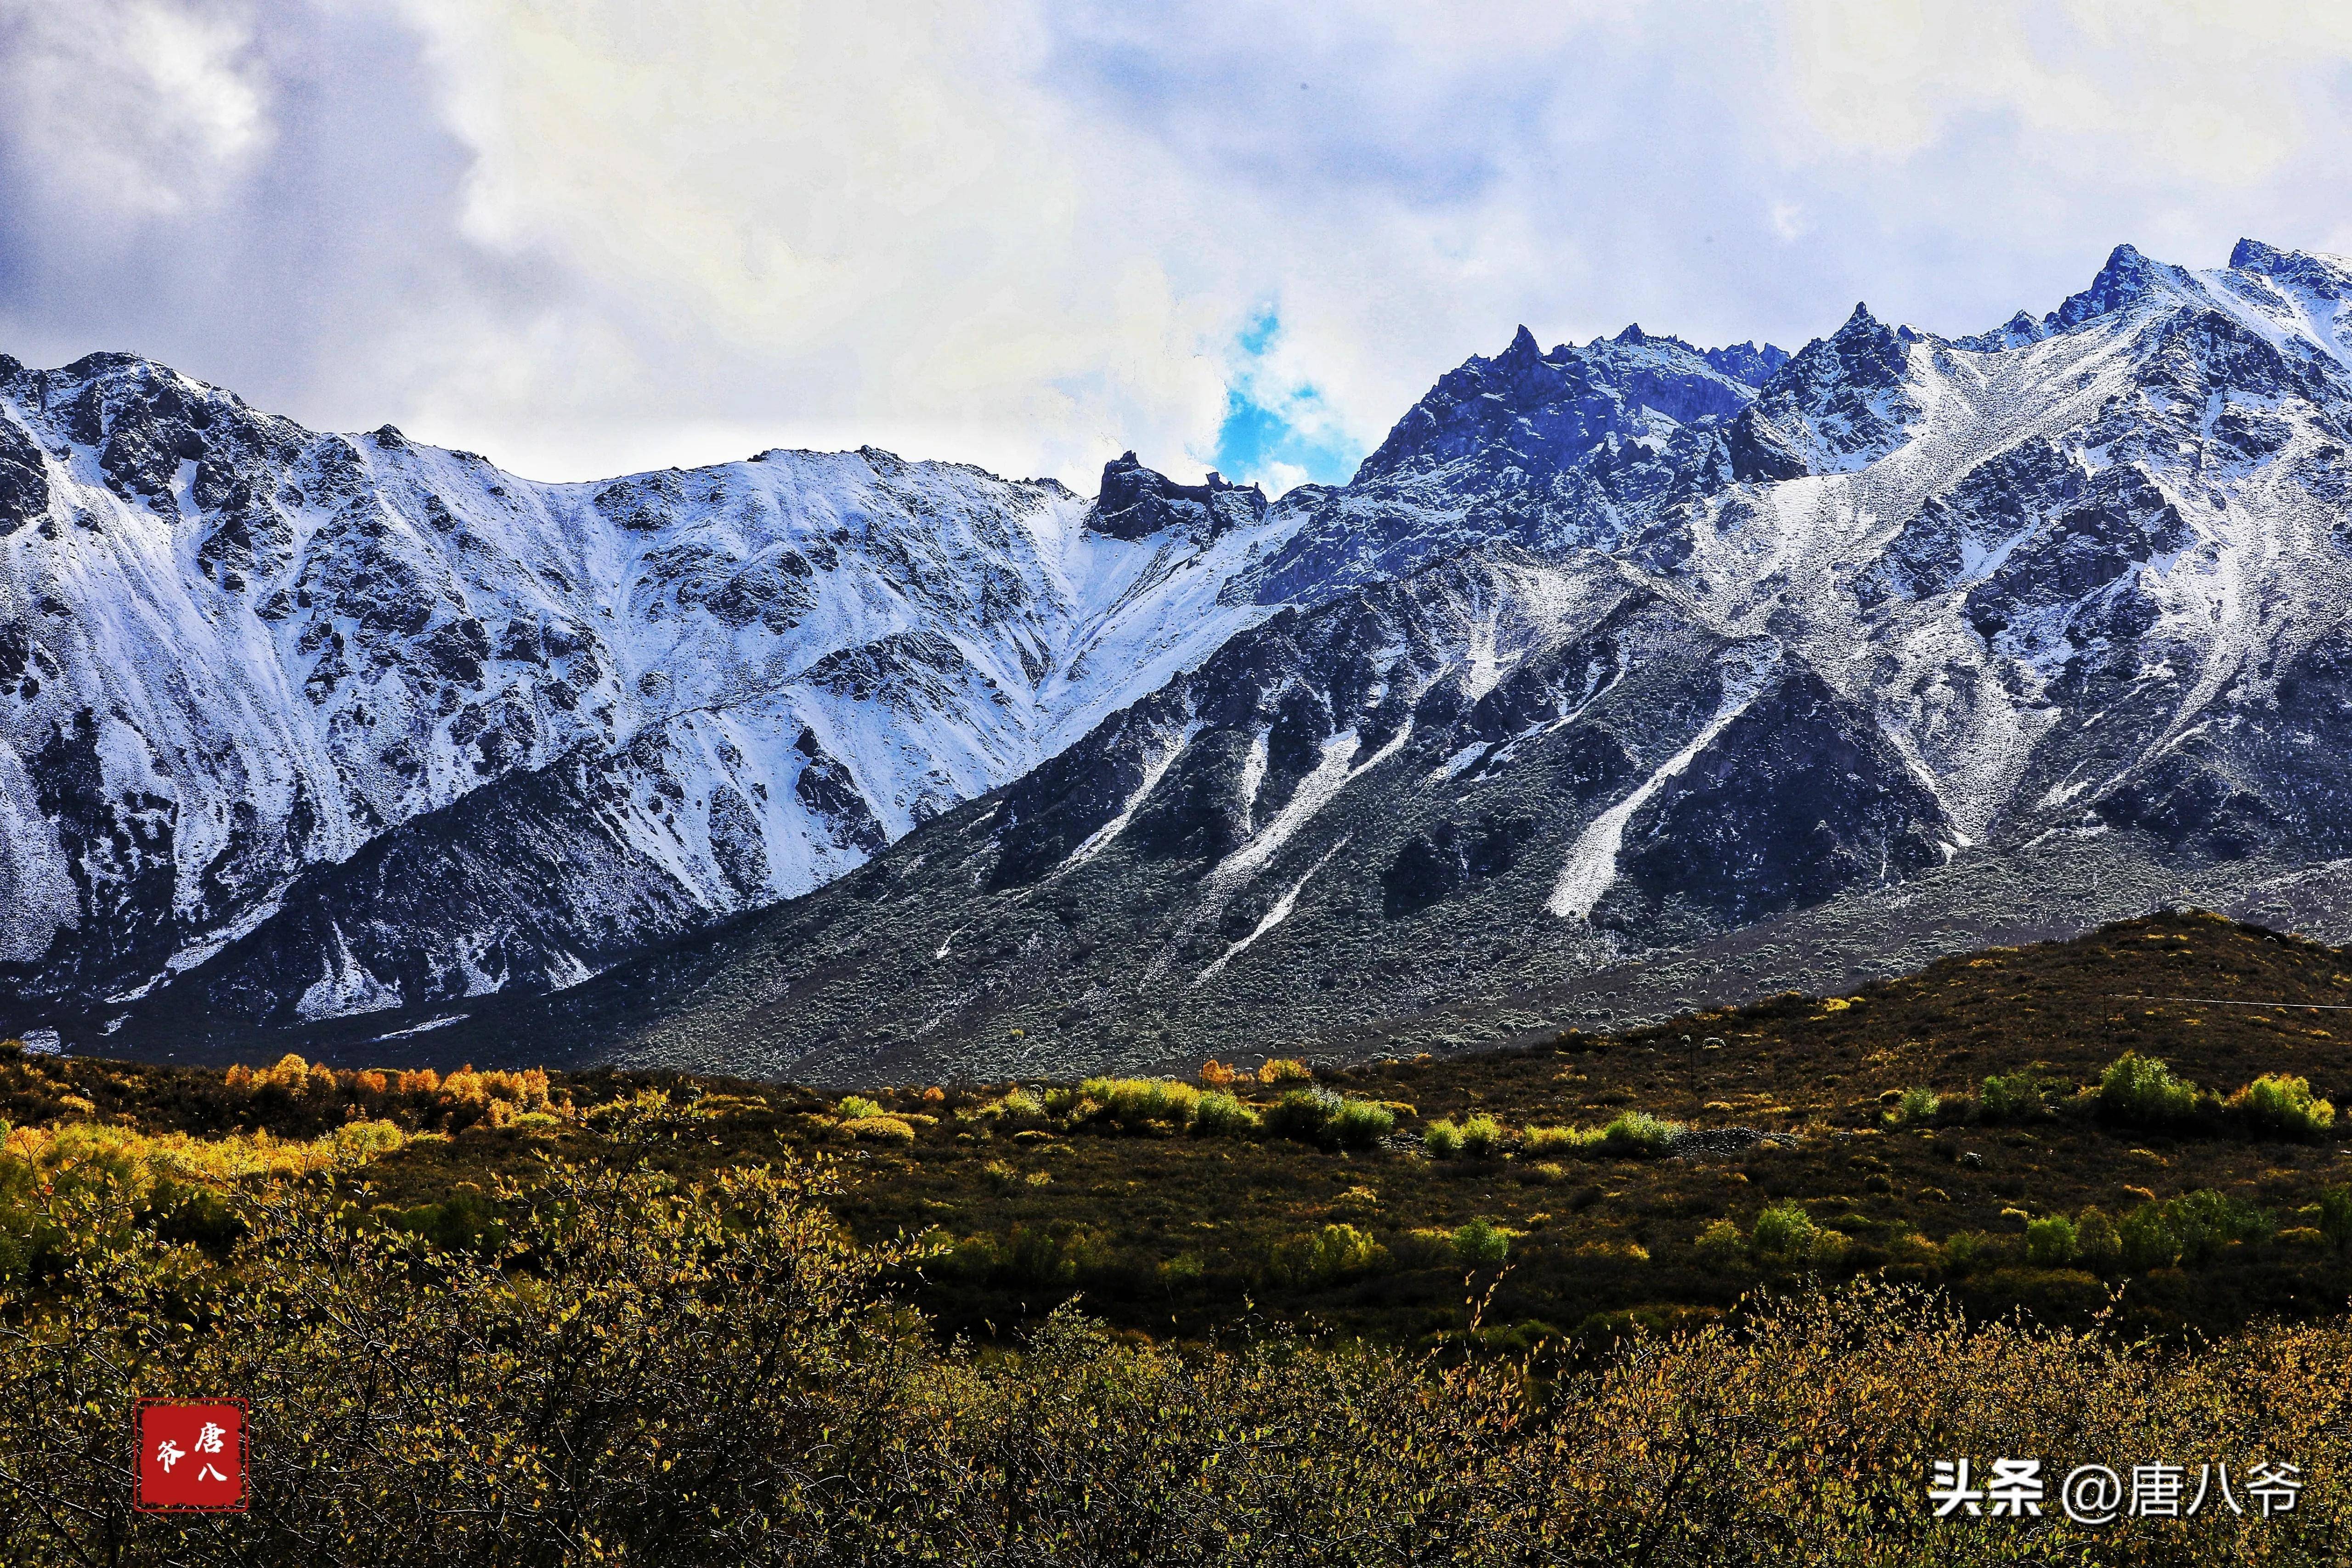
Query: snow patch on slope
[
  {"x": 1591, "y": 865},
  {"x": 1273, "y": 917}
]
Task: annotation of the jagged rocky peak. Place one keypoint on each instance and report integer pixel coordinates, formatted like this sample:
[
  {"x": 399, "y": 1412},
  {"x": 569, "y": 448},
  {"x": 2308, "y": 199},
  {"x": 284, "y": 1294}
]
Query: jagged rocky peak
[
  {"x": 2328, "y": 277},
  {"x": 2295, "y": 290},
  {"x": 1137, "y": 502},
  {"x": 144, "y": 420},
  {"x": 2016, "y": 332},
  {"x": 2127, "y": 280},
  {"x": 1545, "y": 413},
  {"x": 1841, "y": 403},
  {"x": 1747, "y": 362},
  {"x": 1742, "y": 362},
  {"x": 2323, "y": 282}
]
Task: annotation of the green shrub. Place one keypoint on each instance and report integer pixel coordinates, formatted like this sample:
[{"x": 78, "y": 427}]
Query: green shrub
[
  {"x": 2335, "y": 1216},
  {"x": 2207, "y": 1221},
  {"x": 856, "y": 1108},
  {"x": 2020, "y": 1097},
  {"x": 1443, "y": 1139},
  {"x": 1482, "y": 1136},
  {"x": 1018, "y": 1105},
  {"x": 974, "y": 1256},
  {"x": 2097, "y": 1241},
  {"x": 463, "y": 1220},
  {"x": 1306, "y": 1114},
  {"x": 1319, "y": 1116},
  {"x": 2277, "y": 1106},
  {"x": 1537, "y": 1142},
  {"x": 1136, "y": 1103},
  {"x": 2141, "y": 1091},
  {"x": 1784, "y": 1233},
  {"x": 1720, "y": 1242},
  {"x": 1638, "y": 1134},
  {"x": 1482, "y": 1244},
  {"x": 2191, "y": 1230},
  {"x": 1966, "y": 1251},
  {"x": 194, "y": 1214},
  {"x": 1220, "y": 1115},
  {"x": 2051, "y": 1241},
  {"x": 1363, "y": 1123},
  {"x": 1919, "y": 1105},
  {"x": 1338, "y": 1250},
  {"x": 2145, "y": 1241}
]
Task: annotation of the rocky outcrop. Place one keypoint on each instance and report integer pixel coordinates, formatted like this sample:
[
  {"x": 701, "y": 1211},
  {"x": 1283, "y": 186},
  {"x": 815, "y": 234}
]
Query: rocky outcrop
[{"x": 1137, "y": 502}]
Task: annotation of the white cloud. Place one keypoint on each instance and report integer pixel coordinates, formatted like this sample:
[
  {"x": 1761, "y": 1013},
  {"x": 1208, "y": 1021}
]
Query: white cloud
[
  {"x": 141, "y": 107},
  {"x": 604, "y": 234}
]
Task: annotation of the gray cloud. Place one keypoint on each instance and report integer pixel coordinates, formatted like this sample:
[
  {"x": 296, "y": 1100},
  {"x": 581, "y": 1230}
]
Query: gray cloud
[{"x": 593, "y": 238}]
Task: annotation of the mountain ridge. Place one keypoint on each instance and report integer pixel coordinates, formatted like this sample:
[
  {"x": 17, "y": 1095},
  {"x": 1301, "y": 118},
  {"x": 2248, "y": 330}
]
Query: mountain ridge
[{"x": 1766, "y": 634}]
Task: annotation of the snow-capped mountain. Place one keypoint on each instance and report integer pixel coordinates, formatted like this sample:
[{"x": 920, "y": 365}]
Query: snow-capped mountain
[
  {"x": 365, "y": 724},
  {"x": 1610, "y": 662},
  {"x": 2011, "y": 631},
  {"x": 1557, "y": 451}
]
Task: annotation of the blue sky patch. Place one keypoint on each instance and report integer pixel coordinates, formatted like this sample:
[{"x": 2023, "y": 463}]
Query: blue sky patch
[{"x": 1277, "y": 430}]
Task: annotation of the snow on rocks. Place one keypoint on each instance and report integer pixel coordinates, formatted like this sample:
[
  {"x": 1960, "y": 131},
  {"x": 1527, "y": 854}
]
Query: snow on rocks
[{"x": 237, "y": 651}]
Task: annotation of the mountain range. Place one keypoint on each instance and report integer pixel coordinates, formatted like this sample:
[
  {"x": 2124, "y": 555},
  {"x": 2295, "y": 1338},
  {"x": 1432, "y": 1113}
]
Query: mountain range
[{"x": 1621, "y": 678}]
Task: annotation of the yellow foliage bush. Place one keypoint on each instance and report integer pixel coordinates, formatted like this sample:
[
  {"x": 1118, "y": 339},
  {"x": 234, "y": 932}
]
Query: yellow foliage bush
[
  {"x": 136, "y": 1161},
  {"x": 1803, "y": 1433},
  {"x": 467, "y": 1096}
]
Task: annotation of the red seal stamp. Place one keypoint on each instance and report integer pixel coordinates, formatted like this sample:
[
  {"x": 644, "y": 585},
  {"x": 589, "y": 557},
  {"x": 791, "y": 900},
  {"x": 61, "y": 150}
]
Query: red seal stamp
[{"x": 192, "y": 1456}]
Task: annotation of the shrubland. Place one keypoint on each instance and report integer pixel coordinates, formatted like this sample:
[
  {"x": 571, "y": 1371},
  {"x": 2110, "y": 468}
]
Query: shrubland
[
  {"x": 1593, "y": 1299},
  {"x": 645, "y": 1369}
]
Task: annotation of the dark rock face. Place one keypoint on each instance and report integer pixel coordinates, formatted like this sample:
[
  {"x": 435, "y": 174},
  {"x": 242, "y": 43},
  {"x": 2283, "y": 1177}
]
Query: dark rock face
[
  {"x": 2104, "y": 528},
  {"x": 1137, "y": 502},
  {"x": 899, "y": 665},
  {"x": 1049, "y": 812},
  {"x": 828, "y": 789},
  {"x": 118, "y": 853},
  {"x": 23, "y": 478},
  {"x": 737, "y": 843},
  {"x": 479, "y": 896},
  {"x": 776, "y": 591},
  {"x": 1439, "y": 863},
  {"x": 1840, "y": 404},
  {"x": 2000, "y": 503},
  {"x": 644, "y": 502},
  {"x": 1800, "y": 798},
  {"x": 1578, "y": 447}
]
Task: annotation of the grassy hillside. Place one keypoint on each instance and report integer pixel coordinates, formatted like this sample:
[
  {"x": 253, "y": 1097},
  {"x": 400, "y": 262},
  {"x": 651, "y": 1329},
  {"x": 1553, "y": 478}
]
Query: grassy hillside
[{"x": 1884, "y": 1151}]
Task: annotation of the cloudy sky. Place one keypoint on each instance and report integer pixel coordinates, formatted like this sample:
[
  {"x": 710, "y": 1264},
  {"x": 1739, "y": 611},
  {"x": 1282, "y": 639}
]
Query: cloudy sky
[{"x": 590, "y": 236}]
